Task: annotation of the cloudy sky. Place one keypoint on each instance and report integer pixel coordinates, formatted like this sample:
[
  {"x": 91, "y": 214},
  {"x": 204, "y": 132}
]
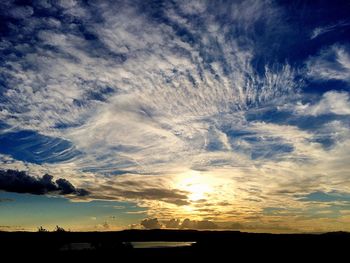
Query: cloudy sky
[{"x": 175, "y": 114}]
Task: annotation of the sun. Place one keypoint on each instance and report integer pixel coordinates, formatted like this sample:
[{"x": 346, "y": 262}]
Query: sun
[{"x": 196, "y": 184}]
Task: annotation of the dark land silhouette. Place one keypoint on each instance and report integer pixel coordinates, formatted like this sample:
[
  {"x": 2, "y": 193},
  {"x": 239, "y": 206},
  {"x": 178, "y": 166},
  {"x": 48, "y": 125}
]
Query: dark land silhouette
[{"x": 227, "y": 246}]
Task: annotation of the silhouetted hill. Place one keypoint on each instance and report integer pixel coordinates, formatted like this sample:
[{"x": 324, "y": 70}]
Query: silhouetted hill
[{"x": 209, "y": 245}]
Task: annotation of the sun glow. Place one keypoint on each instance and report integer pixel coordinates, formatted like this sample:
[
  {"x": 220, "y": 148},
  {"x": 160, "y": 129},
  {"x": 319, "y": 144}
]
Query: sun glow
[{"x": 194, "y": 183}]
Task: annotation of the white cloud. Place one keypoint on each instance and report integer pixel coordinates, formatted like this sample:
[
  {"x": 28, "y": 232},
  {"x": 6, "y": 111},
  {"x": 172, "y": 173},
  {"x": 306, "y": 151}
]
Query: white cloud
[
  {"x": 166, "y": 101},
  {"x": 333, "y": 102},
  {"x": 331, "y": 63}
]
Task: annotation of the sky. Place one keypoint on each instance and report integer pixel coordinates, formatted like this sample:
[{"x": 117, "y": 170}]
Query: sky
[{"x": 175, "y": 114}]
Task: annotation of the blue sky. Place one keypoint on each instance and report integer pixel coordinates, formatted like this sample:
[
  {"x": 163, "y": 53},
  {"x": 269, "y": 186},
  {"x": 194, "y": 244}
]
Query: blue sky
[{"x": 207, "y": 110}]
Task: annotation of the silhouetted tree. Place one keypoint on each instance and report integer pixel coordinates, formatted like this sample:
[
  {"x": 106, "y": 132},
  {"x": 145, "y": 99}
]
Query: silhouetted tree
[
  {"x": 41, "y": 229},
  {"x": 59, "y": 229}
]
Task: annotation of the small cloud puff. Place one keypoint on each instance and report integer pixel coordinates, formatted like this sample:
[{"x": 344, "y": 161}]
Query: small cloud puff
[{"x": 151, "y": 223}]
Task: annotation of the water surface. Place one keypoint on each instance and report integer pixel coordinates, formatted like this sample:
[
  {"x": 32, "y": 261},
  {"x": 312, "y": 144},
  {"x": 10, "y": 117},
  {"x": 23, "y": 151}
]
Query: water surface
[{"x": 161, "y": 244}]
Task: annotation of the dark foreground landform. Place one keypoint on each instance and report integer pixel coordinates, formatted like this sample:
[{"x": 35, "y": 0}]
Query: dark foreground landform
[{"x": 224, "y": 246}]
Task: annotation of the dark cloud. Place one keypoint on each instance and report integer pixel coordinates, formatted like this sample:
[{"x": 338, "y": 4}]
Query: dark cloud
[
  {"x": 151, "y": 223},
  {"x": 21, "y": 182},
  {"x": 143, "y": 191},
  {"x": 193, "y": 224},
  {"x": 67, "y": 188},
  {"x": 172, "y": 223}
]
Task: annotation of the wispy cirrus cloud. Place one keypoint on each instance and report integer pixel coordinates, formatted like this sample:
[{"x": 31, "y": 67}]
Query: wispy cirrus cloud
[
  {"x": 318, "y": 31},
  {"x": 332, "y": 63},
  {"x": 332, "y": 102}
]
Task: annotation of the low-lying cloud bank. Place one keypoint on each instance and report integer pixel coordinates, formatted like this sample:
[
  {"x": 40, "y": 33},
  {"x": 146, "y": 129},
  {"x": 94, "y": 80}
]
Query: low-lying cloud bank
[
  {"x": 154, "y": 223},
  {"x": 21, "y": 182}
]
